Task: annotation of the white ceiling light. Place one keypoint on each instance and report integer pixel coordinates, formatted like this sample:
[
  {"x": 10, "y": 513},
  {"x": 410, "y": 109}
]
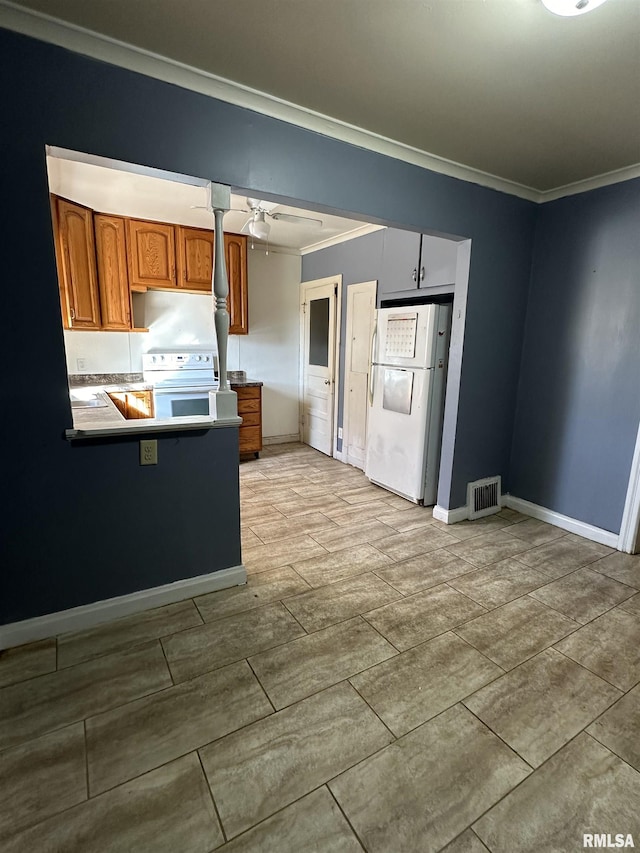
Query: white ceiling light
[
  {"x": 259, "y": 227},
  {"x": 567, "y": 8}
]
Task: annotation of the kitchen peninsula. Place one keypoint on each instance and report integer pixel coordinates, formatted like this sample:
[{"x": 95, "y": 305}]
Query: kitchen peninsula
[{"x": 99, "y": 408}]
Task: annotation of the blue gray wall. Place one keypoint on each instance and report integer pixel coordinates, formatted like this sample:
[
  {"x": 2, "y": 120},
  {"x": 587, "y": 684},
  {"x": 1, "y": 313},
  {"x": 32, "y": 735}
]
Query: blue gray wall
[
  {"x": 579, "y": 396},
  {"x": 357, "y": 260},
  {"x": 52, "y": 96}
]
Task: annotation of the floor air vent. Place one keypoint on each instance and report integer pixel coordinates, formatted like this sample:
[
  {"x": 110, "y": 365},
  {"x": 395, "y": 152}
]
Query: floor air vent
[{"x": 483, "y": 497}]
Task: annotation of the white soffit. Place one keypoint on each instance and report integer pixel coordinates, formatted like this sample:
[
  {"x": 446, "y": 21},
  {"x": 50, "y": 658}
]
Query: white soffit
[{"x": 97, "y": 46}]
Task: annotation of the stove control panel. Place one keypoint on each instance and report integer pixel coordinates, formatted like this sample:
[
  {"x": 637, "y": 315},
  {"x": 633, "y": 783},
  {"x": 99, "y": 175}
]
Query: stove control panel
[{"x": 178, "y": 361}]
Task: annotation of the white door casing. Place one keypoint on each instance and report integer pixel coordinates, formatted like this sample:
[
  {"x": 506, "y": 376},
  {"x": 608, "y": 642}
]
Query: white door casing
[
  {"x": 629, "y": 536},
  {"x": 361, "y": 304},
  {"x": 319, "y": 320}
]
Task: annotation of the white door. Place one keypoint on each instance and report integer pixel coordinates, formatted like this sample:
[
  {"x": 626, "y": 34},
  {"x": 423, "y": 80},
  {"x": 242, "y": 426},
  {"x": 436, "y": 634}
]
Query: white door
[
  {"x": 361, "y": 305},
  {"x": 318, "y": 303}
]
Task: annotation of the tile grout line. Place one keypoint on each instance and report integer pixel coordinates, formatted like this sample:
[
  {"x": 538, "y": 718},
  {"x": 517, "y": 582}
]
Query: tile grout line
[
  {"x": 597, "y": 675},
  {"x": 166, "y": 660},
  {"x": 58, "y": 727},
  {"x": 581, "y": 624},
  {"x": 86, "y": 760},
  {"x": 480, "y": 652},
  {"x": 263, "y": 688},
  {"x": 135, "y": 645},
  {"x": 529, "y": 776},
  {"x": 366, "y": 701},
  {"x": 213, "y": 799},
  {"x": 380, "y": 634},
  {"x": 344, "y": 814},
  {"x": 597, "y": 740},
  {"x": 180, "y": 756}
]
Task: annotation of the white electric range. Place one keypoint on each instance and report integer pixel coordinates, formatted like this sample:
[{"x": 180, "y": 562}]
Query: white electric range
[{"x": 181, "y": 381}]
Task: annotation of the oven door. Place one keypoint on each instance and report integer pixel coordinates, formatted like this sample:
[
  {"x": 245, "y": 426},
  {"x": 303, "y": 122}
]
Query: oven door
[{"x": 181, "y": 402}]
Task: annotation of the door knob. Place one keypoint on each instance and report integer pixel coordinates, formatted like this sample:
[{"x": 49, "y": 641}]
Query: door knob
[{"x": 327, "y": 382}]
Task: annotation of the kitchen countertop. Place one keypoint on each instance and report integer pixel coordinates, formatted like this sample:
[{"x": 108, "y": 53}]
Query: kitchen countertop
[
  {"x": 106, "y": 420},
  {"x": 101, "y": 380},
  {"x": 245, "y": 383}
]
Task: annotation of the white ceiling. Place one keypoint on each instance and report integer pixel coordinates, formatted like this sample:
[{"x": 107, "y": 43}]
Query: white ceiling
[
  {"x": 106, "y": 189},
  {"x": 501, "y": 86}
]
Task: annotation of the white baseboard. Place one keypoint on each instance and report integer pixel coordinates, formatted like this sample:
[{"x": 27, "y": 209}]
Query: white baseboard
[
  {"x": 281, "y": 439},
  {"x": 451, "y": 516},
  {"x": 89, "y": 615},
  {"x": 573, "y": 525}
]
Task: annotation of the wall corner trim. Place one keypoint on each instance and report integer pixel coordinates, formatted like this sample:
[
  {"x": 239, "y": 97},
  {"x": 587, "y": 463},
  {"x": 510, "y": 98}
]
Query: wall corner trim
[
  {"x": 90, "y": 615},
  {"x": 451, "y": 516},
  {"x": 629, "y": 528},
  {"x": 573, "y": 525}
]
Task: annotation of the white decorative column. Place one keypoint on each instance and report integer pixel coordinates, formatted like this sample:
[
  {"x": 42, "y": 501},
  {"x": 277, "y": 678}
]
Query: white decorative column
[{"x": 223, "y": 403}]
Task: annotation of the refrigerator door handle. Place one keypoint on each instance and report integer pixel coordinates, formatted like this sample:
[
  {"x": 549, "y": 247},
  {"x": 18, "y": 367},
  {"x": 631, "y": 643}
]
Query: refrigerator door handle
[{"x": 374, "y": 338}]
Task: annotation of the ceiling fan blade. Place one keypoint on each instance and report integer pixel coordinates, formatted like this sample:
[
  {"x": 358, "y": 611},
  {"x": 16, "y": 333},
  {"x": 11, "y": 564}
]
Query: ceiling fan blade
[{"x": 290, "y": 217}]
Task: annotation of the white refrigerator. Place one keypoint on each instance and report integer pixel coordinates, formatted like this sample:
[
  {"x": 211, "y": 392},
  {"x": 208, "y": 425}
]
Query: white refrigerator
[{"x": 406, "y": 396}]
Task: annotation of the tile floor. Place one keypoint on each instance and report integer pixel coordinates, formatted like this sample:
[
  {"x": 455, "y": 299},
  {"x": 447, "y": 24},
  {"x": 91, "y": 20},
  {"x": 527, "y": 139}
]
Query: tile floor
[{"x": 384, "y": 682}]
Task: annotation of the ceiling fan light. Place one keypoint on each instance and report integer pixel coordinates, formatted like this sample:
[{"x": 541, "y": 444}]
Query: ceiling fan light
[
  {"x": 569, "y": 8},
  {"x": 259, "y": 228}
]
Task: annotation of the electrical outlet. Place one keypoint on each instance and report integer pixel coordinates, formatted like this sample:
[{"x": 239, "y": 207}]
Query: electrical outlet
[
  {"x": 81, "y": 363},
  {"x": 340, "y": 433},
  {"x": 149, "y": 451}
]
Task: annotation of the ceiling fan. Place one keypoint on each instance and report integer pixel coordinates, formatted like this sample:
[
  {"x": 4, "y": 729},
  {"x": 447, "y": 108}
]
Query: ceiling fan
[{"x": 258, "y": 225}]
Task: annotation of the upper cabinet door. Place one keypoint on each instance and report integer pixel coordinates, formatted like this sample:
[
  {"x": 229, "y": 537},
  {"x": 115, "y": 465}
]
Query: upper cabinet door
[
  {"x": 76, "y": 255},
  {"x": 195, "y": 258},
  {"x": 437, "y": 261},
  {"x": 152, "y": 253},
  {"x": 400, "y": 259},
  {"x": 235, "y": 249},
  {"x": 113, "y": 278}
]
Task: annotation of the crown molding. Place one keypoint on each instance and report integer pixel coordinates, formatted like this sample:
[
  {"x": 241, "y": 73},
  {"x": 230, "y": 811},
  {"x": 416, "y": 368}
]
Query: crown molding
[
  {"x": 618, "y": 176},
  {"x": 97, "y": 46},
  {"x": 341, "y": 238}
]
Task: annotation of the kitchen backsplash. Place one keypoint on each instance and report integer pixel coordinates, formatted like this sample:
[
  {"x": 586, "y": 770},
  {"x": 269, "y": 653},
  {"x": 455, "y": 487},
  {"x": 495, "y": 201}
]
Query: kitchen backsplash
[{"x": 174, "y": 320}]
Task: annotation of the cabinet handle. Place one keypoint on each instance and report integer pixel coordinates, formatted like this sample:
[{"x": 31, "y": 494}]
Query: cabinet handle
[
  {"x": 72, "y": 314},
  {"x": 421, "y": 273},
  {"x": 414, "y": 274}
]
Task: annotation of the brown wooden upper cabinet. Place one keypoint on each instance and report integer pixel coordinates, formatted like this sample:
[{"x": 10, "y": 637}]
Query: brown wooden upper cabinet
[
  {"x": 235, "y": 248},
  {"x": 151, "y": 254},
  {"x": 76, "y": 261},
  {"x": 103, "y": 258},
  {"x": 193, "y": 268},
  {"x": 91, "y": 256},
  {"x": 195, "y": 258},
  {"x": 113, "y": 280}
]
